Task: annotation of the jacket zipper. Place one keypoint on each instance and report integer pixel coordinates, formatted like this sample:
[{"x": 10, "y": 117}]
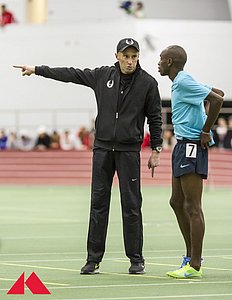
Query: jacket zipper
[{"x": 116, "y": 117}]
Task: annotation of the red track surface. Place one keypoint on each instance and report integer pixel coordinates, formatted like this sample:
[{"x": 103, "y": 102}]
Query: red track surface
[{"x": 74, "y": 168}]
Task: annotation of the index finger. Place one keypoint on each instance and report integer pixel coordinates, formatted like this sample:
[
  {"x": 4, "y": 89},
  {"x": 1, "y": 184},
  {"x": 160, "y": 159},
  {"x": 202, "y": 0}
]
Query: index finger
[
  {"x": 18, "y": 67},
  {"x": 152, "y": 171}
]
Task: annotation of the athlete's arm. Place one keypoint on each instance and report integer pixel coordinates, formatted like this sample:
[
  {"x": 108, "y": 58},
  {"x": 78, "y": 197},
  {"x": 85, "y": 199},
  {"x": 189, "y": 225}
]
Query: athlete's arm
[
  {"x": 217, "y": 91},
  {"x": 207, "y": 104},
  {"x": 215, "y": 102}
]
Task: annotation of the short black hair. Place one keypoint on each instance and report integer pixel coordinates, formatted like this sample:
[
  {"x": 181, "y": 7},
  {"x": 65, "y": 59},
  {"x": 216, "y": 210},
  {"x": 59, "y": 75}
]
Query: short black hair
[{"x": 178, "y": 54}]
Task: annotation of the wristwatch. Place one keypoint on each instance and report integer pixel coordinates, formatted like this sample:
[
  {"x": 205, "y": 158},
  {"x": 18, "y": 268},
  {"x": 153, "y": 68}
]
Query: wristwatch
[{"x": 157, "y": 149}]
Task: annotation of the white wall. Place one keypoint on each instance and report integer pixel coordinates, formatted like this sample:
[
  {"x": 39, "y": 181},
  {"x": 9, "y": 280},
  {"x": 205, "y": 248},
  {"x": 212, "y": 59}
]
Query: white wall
[
  {"x": 230, "y": 8},
  {"x": 74, "y": 11},
  {"x": 71, "y": 11},
  {"x": 187, "y": 9},
  {"x": 208, "y": 44},
  {"x": 80, "y": 45},
  {"x": 209, "y": 47}
]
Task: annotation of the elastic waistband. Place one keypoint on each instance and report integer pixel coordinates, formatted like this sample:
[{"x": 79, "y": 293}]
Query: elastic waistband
[{"x": 184, "y": 141}]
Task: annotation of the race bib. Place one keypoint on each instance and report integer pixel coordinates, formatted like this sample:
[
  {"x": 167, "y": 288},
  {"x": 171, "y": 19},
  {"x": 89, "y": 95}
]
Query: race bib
[{"x": 191, "y": 150}]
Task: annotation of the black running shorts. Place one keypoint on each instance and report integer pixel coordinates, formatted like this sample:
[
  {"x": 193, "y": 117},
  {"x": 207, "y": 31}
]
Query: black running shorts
[{"x": 189, "y": 157}]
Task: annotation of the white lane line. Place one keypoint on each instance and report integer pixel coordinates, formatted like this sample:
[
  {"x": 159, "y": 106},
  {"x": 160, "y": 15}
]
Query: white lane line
[
  {"x": 180, "y": 282},
  {"x": 39, "y": 237},
  {"x": 75, "y": 270},
  {"x": 108, "y": 273},
  {"x": 120, "y": 261},
  {"x": 110, "y": 286},
  {"x": 173, "y": 265},
  {"x": 48, "y": 283},
  {"x": 109, "y": 252},
  {"x": 74, "y": 236},
  {"x": 111, "y": 259},
  {"x": 39, "y": 267}
]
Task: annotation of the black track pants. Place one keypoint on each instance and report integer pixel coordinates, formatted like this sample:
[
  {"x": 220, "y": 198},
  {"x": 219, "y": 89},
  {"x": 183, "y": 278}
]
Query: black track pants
[{"x": 127, "y": 165}]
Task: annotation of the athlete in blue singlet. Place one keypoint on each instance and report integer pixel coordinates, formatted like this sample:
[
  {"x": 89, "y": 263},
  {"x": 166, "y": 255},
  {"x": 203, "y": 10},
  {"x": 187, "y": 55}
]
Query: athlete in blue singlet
[
  {"x": 188, "y": 111},
  {"x": 192, "y": 129}
]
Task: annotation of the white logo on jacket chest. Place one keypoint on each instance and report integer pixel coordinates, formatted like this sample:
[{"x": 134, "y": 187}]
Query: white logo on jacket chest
[{"x": 110, "y": 84}]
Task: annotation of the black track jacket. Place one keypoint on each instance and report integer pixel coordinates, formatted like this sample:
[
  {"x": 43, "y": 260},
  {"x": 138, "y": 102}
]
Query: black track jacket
[{"x": 117, "y": 128}]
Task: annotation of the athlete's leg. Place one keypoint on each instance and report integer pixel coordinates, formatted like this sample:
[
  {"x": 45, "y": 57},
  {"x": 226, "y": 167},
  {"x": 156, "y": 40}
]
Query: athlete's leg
[
  {"x": 128, "y": 169},
  {"x": 178, "y": 205},
  {"x": 102, "y": 176},
  {"x": 192, "y": 189}
]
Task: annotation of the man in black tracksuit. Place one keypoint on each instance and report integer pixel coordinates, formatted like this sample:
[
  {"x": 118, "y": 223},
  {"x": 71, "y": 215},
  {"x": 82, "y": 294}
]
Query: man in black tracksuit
[{"x": 125, "y": 95}]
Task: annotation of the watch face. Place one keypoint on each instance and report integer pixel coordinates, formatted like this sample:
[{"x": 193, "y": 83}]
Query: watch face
[{"x": 158, "y": 149}]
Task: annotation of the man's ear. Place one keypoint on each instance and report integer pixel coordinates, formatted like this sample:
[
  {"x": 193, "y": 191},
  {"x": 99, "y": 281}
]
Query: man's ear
[
  {"x": 170, "y": 61},
  {"x": 116, "y": 55}
]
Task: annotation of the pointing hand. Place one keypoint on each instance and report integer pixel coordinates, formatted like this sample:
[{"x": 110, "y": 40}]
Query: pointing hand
[{"x": 26, "y": 70}]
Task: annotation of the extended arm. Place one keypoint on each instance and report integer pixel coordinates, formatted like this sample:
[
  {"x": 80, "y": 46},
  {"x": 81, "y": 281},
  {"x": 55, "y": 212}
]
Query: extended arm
[{"x": 85, "y": 77}]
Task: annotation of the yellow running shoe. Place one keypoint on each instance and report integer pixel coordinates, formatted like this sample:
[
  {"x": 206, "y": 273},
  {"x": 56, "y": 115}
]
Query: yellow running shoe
[{"x": 186, "y": 272}]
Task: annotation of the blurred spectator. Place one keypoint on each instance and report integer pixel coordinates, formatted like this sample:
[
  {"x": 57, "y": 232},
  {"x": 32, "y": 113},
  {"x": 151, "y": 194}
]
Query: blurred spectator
[
  {"x": 220, "y": 132},
  {"x": 6, "y": 16},
  {"x": 55, "y": 140},
  {"x": 43, "y": 141},
  {"x": 3, "y": 139},
  {"x": 127, "y": 6},
  {"x": 228, "y": 136},
  {"x": 169, "y": 140},
  {"x": 146, "y": 141},
  {"x": 25, "y": 142},
  {"x": 134, "y": 9},
  {"x": 68, "y": 141},
  {"x": 138, "y": 11},
  {"x": 12, "y": 142},
  {"x": 84, "y": 136}
]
